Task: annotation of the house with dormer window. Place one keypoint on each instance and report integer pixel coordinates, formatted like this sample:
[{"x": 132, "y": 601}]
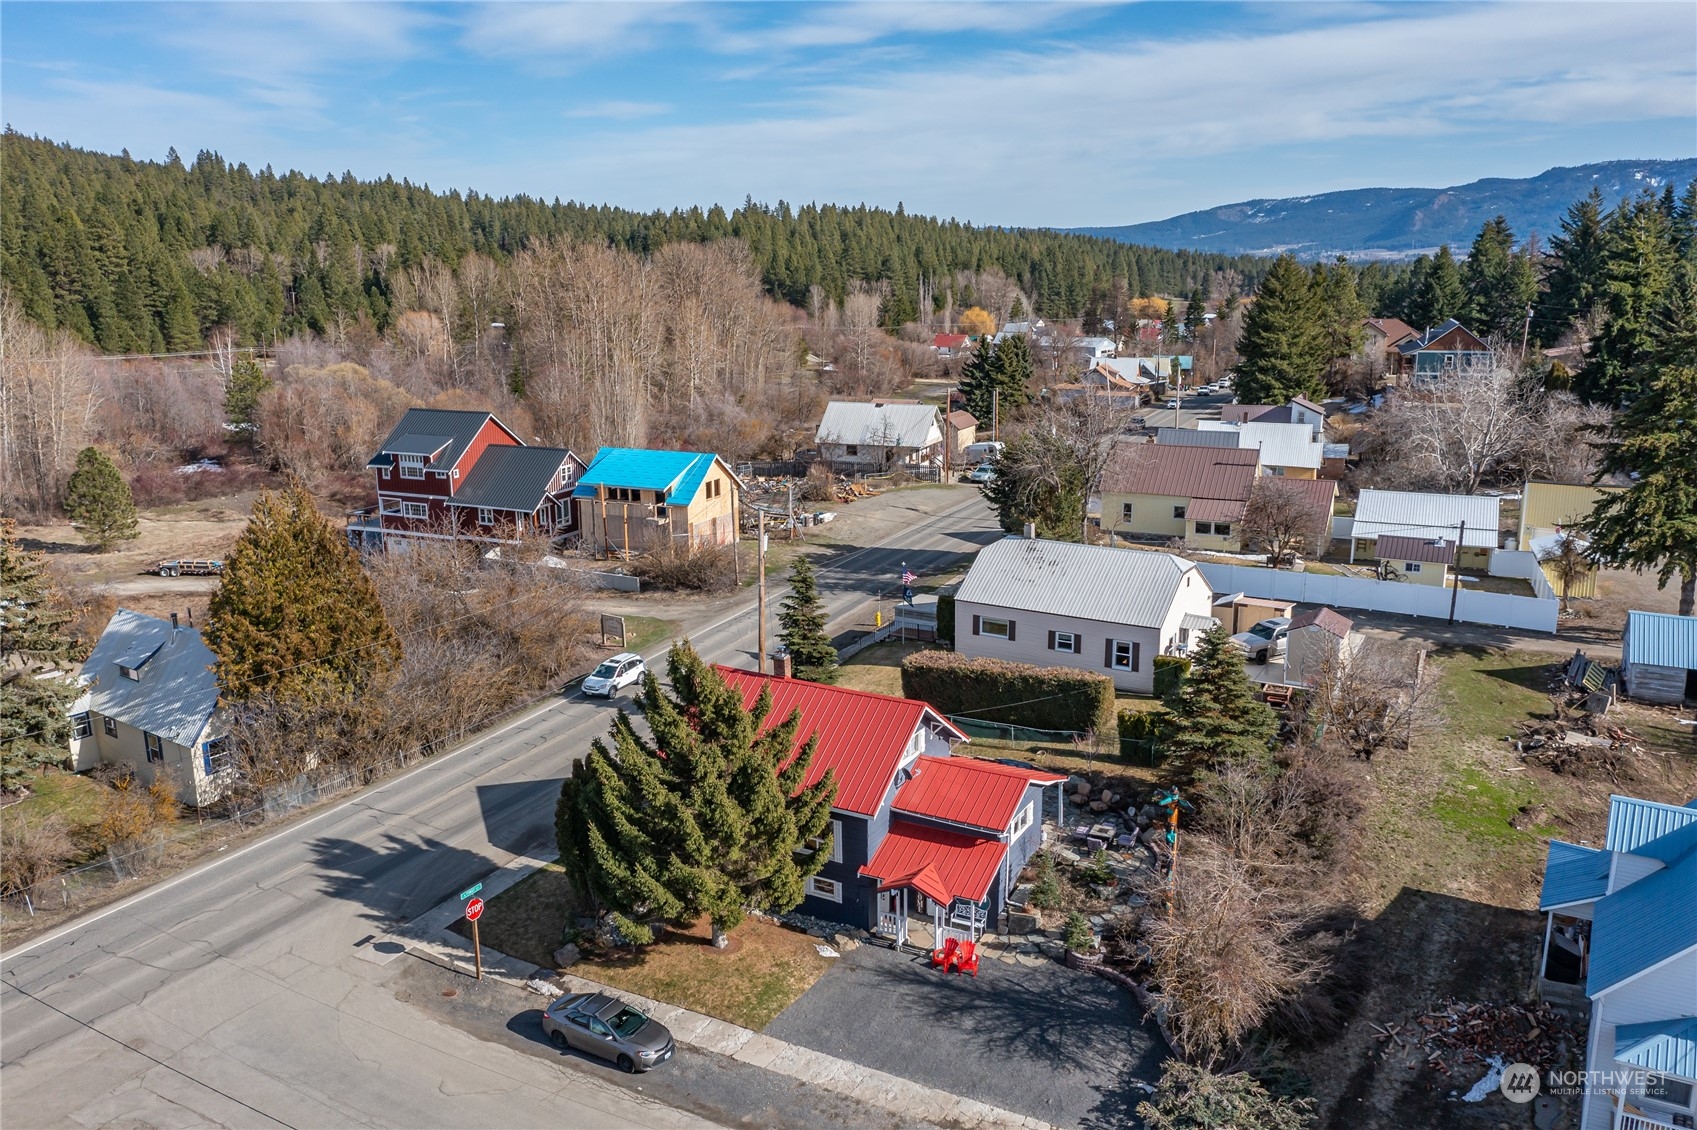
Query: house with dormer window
[
  {"x": 454, "y": 474},
  {"x": 1620, "y": 927},
  {"x": 917, "y": 832}
]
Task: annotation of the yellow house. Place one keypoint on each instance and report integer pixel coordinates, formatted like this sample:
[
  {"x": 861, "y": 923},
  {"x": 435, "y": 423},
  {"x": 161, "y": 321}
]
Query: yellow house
[
  {"x": 1420, "y": 561},
  {"x": 1547, "y": 510},
  {"x": 1158, "y": 491},
  {"x": 631, "y": 499}
]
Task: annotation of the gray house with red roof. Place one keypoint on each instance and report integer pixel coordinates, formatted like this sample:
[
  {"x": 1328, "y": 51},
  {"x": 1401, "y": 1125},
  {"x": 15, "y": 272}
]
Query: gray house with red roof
[{"x": 917, "y": 832}]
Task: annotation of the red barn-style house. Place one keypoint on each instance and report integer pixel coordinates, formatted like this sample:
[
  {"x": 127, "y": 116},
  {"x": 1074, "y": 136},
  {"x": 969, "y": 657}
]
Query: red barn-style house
[{"x": 455, "y": 474}]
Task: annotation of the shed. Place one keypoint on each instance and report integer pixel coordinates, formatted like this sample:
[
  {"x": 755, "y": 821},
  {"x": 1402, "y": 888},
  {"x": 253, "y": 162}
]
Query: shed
[{"x": 1659, "y": 657}]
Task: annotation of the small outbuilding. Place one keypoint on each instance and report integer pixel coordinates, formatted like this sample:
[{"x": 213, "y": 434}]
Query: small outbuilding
[
  {"x": 1659, "y": 657},
  {"x": 1422, "y": 561}
]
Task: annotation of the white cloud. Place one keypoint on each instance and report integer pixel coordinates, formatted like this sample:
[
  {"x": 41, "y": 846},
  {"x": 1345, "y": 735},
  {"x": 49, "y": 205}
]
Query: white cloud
[{"x": 615, "y": 110}]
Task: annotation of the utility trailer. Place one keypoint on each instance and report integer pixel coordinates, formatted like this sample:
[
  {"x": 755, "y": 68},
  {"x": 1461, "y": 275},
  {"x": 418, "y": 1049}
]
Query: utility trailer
[{"x": 185, "y": 568}]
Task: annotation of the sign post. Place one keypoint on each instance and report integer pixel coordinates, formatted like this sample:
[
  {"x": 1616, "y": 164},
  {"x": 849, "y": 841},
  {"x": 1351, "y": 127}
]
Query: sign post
[{"x": 474, "y": 911}]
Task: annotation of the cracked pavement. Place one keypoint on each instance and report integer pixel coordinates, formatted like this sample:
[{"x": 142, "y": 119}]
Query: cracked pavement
[{"x": 241, "y": 992}]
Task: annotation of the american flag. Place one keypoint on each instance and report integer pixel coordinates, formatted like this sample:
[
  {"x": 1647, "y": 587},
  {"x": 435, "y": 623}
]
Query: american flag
[{"x": 908, "y": 578}]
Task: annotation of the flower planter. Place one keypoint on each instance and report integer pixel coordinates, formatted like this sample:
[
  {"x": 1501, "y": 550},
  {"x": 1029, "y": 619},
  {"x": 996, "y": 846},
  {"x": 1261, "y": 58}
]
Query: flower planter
[{"x": 1076, "y": 960}]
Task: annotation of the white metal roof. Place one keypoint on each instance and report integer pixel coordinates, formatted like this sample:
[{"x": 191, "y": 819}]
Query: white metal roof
[
  {"x": 1419, "y": 515},
  {"x": 1281, "y": 445},
  {"x": 879, "y": 425},
  {"x": 1089, "y": 582}
]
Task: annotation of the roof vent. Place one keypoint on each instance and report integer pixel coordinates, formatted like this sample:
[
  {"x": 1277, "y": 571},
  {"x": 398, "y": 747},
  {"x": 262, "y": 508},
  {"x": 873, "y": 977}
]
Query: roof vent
[
  {"x": 1031, "y": 531},
  {"x": 174, "y": 624}
]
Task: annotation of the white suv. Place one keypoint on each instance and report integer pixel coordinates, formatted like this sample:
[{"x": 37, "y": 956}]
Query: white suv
[{"x": 614, "y": 675}]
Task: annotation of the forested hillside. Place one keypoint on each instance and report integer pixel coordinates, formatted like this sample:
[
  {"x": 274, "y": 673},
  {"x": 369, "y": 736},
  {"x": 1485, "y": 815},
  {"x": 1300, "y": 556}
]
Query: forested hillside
[{"x": 143, "y": 256}]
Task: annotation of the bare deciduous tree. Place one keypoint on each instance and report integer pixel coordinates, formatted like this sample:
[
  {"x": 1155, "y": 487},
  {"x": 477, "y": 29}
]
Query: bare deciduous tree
[
  {"x": 47, "y": 405},
  {"x": 1457, "y": 433},
  {"x": 1279, "y": 520},
  {"x": 1382, "y": 696}
]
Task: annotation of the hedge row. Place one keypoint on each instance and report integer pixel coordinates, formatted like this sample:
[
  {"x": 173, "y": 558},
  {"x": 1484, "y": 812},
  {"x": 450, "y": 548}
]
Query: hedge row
[
  {"x": 1019, "y": 694},
  {"x": 1170, "y": 671}
]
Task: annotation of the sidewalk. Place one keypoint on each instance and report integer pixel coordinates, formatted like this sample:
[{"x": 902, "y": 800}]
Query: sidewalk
[{"x": 428, "y": 936}]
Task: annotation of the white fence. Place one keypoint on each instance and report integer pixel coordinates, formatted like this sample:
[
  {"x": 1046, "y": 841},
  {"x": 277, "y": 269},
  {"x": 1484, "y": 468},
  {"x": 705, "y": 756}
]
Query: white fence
[
  {"x": 1537, "y": 614},
  {"x": 1524, "y": 564}
]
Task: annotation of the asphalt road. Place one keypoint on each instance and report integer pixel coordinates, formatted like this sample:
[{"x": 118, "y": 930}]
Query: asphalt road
[{"x": 239, "y": 993}]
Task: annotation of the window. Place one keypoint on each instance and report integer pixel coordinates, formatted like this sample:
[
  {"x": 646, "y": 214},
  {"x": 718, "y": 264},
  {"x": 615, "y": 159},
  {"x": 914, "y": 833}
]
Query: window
[
  {"x": 1222, "y": 529},
  {"x": 1021, "y": 822},
  {"x": 389, "y": 505},
  {"x": 155, "y": 747},
  {"x": 1664, "y": 1090},
  {"x": 566, "y": 471},
  {"x": 1204, "y": 527},
  {"x": 985, "y": 626},
  {"x": 715, "y": 488},
  {"x": 1123, "y": 655},
  {"x": 824, "y": 888},
  {"x": 1125, "y": 511},
  {"x": 563, "y": 512},
  {"x": 415, "y": 509},
  {"x": 623, "y": 494},
  {"x": 412, "y": 467},
  {"x": 485, "y": 516},
  {"x": 1064, "y": 641},
  {"x": 215, "y": 756},
  {"x": 597, "y": 1028},
  {"x": 84, "y": 725},
  {"x": 660, "y": 510},
  {"x": 129, "y": 673},
  {"x": 1411, "y": 566},
  {"x": 1178, "y": 513},
  {"x": 818, "y": 842},
  {"x": 1276, "y": 471},
  {"x": 110, "y": 725},
  {"x": 852, "y": 449}
]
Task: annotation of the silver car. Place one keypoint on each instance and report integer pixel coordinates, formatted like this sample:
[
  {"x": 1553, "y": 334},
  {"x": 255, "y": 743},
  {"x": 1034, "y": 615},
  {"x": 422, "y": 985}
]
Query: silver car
[
  {"x": 614, "y": 675},
  {"x": 606, "y": 1026}
]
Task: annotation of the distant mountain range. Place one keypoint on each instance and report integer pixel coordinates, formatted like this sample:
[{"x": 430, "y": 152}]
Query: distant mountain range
[{"x": 1399, "y": 223}]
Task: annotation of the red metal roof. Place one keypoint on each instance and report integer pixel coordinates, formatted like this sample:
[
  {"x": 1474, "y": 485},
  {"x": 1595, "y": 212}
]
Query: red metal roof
[
  {"x": 954, "y": 864},
  {"x": 948, "y": 341},
  {"x": 861, "y": 735},
  {"x": 968, "y": 790}
]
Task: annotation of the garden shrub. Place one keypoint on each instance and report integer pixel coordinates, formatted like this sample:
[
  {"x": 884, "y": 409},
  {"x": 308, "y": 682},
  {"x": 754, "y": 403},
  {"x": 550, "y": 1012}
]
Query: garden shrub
[{"x": 1019, "y": 694}]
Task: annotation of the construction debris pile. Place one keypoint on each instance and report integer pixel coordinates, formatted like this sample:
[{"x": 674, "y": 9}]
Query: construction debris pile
[
  {"x": 1576, "y": 738},
  {"x": 1457, "y": 1037}
]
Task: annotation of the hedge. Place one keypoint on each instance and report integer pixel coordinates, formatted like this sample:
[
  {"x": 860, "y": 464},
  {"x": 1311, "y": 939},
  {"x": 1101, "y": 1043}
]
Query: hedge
[
  {"x": 1170, "y": 671},
  {"x": 1142, "y": 733},
  {"x": 1019, "y": 694}
]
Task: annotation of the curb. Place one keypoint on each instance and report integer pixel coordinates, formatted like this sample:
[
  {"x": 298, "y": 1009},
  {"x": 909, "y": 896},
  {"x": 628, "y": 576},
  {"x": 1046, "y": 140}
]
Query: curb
[{"x": 428, "y": 936}]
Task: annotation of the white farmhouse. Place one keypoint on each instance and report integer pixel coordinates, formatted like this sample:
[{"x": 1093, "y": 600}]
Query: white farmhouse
[
  {"x": 1054, "y": 603},
  {"x": 880, "y": 435}
]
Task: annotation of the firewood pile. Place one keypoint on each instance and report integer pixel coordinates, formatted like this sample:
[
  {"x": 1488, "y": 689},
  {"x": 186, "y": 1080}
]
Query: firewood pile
[
  {"x": 1457, "y": 1037},
  {"x": 1576, "y": 742}
]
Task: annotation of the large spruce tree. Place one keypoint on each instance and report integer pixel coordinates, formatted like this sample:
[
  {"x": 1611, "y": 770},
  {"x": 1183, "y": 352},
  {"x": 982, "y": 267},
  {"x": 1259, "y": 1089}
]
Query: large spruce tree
[
  {"x": 1637, "y": 272},
  {"x": 248, "y": 383},
  {"x": 1341, "y": 316},
  {"x": 801, "y": 621},
  {"x": 1438, "y": 292},
  {"x": 1213, "y": 718},
  {"x": 707, "y": 818},
  {"x": 978, "y": 379},
  {"x": 296, "y": 614},
  {"x": 1573, "y": 283},
  {"x": 1500, "y": 283},
  {"x": 35, "y": 727},
  {"x": 1283, "y": 348},
  {"x": 99, "y": 502},
  {"x": 1038, "y": 479}
]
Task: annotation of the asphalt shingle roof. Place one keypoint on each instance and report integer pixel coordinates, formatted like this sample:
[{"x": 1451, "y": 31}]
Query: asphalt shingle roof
[
  {"x": 1089, "y": 582},
  {"x": 1660, "y": 639},
  {"x": 176, "y": 692},
  {"x": 512, "y": 478},
  {"x": 424, "y": 425}
]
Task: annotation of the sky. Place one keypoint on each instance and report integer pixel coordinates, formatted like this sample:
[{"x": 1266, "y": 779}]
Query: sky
[{"x": 1048, "y": 114}]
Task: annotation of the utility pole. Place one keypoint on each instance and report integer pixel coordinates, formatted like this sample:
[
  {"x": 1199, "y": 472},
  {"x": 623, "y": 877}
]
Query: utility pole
[
  {"x": 792, "y": 510},
  {"x": 1526, "y": 332},
  {"x": 1455, "y": 581},
  {"x": 995, "y": 414},
  {"x": 760, "y": 565}
]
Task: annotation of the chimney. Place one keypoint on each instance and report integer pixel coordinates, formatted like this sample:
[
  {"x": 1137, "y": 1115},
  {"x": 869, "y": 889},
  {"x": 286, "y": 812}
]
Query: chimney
[
  {"x": 174, "y": 624},
  {"x": 1031, "y": 530},
  {"x": 781, "y": 665}
]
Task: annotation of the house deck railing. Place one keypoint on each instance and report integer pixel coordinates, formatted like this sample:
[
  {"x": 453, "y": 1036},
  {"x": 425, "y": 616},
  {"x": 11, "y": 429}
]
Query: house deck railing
[
  {"x": 894, "y": 927},
  {"x": 1625, "y": 1120}
]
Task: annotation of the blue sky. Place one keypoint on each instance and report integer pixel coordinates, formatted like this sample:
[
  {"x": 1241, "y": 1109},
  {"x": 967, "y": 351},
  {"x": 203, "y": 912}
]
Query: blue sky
[{"x": 1009, "y": 113}]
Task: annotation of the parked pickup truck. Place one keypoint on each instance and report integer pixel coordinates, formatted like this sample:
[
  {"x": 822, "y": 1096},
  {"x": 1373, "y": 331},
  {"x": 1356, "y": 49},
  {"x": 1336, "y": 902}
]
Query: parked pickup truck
[
  {"x": 183, "y": 568},
  {"x": 1265, "y": 640}
]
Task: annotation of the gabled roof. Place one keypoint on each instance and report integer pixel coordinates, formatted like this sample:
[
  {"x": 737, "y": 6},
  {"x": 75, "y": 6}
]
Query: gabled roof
[
  {"x": 513, "y": 478},
  {"x": 1425, "y": 340},
  {"x": 1280, "y": 444},
  {"x": 176, "y": 692},
  {"x": 960, "y": 420},
  {"x": 1194, "y": 437},
  {"x": 1420, "y": 514},
  {"x": 862, "y": 736},
  {"x": 1574, "y": 874},
  {"x": 968, "y": 790},
  {"x": 1648, "y": 828},
  {"x": 678, "y": 473},
  {"x": 1399, "y": 548},
  {"x": 948, "y": 341},
  {"x": 954, "y": 864},
  {"x": 1396, "y": 330},
  {"x": 1660, "y": 639},
  {"x": 1333, "y": 623},
  {"x": 1666, "y": 1047},
  {"x": 878, "y": 424},
  {"x": 1640, "y": 926},
  {"x": 1089, "y": 582},
  {"x": 1180, "y": 472},
  {"x": 1216, "y": 510},
  {"x": 439, "y": 432},
  {"x": 1304, "y": 402}
]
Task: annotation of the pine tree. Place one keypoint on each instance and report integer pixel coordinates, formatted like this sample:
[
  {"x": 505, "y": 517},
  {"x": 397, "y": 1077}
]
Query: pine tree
[
  {"x": 35, "y": 727},
  {"x": 978, "y": 379},
  {"x": 1038, "y": 480},
  {"x": 1283, "y": 352},
  {"x": 1442, "y": 295},
  {"x": 1500, "y": 283},
  {"x": 1195, "y": 314},
  {"x": 98, "y": 500},
  {"x": 248, "y": 383},
  {"x": 801, "y": 616},
  {"x": 1637, "y": 271},
  {"x": 296, "y": 614},
  {"x": 1573, "y": 284},
  {"x": 1011, "y": 369},
  {"x": 1214, "y": 719},
  {"x": 1653, "y": 523},
  {"x": 1194, "y": 1097},
  {"x": 1341, "y": 316}
]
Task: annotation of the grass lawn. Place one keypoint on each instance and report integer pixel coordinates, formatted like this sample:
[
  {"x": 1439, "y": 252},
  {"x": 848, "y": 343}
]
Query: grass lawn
[
  {"x": 642, "y": 632},
  {"x": 1510, "y": 586},
  {"x": 76, "y": 800},
  {"x": 755, "y": 978},
  {"x": 878, "y": 669}
]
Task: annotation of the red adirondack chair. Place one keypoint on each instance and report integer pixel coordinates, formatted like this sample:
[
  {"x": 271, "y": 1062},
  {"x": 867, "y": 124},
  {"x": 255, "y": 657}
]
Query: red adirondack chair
[
  {"x": 945, "y": 956},
  {"x": 966, "y": 958}
]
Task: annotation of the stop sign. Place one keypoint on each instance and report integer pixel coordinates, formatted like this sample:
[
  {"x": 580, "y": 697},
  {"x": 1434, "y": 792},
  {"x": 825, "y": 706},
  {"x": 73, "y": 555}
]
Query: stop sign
[{"x": 474, "y": 910}]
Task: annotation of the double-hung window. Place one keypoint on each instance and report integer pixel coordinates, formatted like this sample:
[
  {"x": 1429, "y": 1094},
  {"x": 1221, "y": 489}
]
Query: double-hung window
[
  {"x": 1065, "y": 641},
  {"x": 1124, "y": 655},
  {"x": 485, "y": 516},
  {"x": 818, "y": 842},
  {"x": 412, "y": 467},
  {"x": 1125, "y": 511},
  {"x": 84, "y": 725},
  {"x": 110, "y": 725},
  {"x": 419, "y": 510},
  {"x": 155, "y": 747},
  {"x": 1179, "y": 512}
]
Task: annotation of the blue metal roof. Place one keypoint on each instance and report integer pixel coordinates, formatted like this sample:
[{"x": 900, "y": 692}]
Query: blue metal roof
[
  {"x": 175, "y": 690},
  {"x": 1667, "y": 1047},
  {"x": 1644, "y": 827},
  {"x": 1643, "y": 925},
  {"x": 1574, "y": 874},
  {"x": 678, "y": 473},
  {"x": 1660, "y": 639}
]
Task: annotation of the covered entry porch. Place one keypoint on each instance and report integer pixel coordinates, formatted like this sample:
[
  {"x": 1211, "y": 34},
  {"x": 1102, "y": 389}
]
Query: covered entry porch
[{"x": 934, "y": 884}]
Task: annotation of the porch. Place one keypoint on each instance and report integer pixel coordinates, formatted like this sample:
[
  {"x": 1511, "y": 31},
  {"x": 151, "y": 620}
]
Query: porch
[{"x": 907, "y": 918}]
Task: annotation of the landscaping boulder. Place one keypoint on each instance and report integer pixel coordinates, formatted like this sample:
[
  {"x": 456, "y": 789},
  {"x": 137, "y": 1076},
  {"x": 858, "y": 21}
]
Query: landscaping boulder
[
  {"x": 844, "y": 942},
  {"x": 1019, "y": 923},
  {"x": 567, "y": 956}
]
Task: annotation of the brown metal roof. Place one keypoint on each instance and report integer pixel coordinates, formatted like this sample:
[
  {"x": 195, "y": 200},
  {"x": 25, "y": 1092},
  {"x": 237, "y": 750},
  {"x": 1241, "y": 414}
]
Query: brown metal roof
[
  {"x": 1392, "y": 547},
  {"x": 1326, "y": 620},
  {"x": 1216, "y": 510},
  {"x": 1181, "y": 472}
]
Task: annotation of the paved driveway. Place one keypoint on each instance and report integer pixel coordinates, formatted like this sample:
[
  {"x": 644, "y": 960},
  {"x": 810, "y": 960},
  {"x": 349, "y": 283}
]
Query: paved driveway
[{"x": 1065, "y": 1046}]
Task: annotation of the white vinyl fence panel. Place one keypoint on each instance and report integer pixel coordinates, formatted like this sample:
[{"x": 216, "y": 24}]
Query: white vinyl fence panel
[
  {"x": 1522, "y": 563},
  {"x": 1536, "y": 614}
]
